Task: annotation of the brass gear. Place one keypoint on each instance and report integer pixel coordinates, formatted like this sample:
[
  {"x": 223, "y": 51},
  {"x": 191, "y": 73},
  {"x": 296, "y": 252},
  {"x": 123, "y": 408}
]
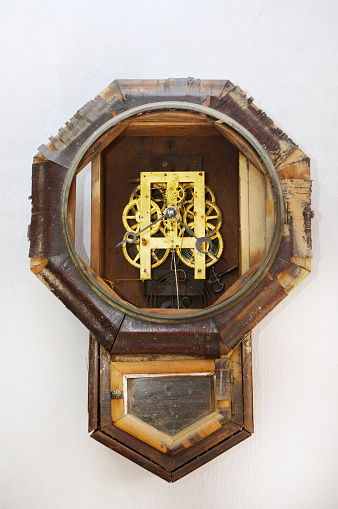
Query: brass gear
[
  {"x": 131, "y": 216},
  {"x": 158, "y": 194},
  {"x": 189, "y": 193},
  {"x": 213, "y": 217},
  {"x": 175, "y": 196},
  {"x": 167, "y": 227},
  {"x": 132, "y": 254},
  {"x": 187, "y": 255}
]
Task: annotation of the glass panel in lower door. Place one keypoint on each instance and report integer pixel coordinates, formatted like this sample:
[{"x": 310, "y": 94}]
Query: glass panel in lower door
[{"x": 170, "y": 403}]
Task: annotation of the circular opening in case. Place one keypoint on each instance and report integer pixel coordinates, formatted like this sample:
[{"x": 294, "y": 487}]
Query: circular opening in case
[{"x": 251, "y": 152}]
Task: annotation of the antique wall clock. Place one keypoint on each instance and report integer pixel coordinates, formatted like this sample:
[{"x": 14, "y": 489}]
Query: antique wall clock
[{"x": 200, "y": 225}]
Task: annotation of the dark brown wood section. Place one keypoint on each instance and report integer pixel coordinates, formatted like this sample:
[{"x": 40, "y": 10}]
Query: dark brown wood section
[
  {"x": 145, "y": 450},
  {"x": 105, "y": 397},
  {"x": 45, "y": 233},
  {"x": 184, "y": 455},
  {"x": 209, "y": 455},
  {"x": 200, "y": 339},
  {"x": 235, "y": 323},
  {"x": 134, "y": 456},
  {"x": 238, "y": 321},
  {"x": 237, "y": 407},
  {"x": 177, "y": 461},
  {"x": 61, "y": 277},
  {"x": 93, "y": 383}
]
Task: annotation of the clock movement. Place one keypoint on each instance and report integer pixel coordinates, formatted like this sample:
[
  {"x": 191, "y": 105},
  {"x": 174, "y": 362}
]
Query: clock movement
[{"x": 200, "y": 223}]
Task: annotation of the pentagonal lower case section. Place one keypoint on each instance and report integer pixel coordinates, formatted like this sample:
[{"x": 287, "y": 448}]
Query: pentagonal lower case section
[{"x": 170, "y": 403}]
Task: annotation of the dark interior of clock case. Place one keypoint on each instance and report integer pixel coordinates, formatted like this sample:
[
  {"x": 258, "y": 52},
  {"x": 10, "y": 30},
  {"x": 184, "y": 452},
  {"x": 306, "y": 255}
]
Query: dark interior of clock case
[{"x": 171, "y": 149}]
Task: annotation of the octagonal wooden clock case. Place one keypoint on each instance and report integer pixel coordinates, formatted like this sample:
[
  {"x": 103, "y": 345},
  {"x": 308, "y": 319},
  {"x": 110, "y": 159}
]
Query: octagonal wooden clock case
[{"x": 200, "y": 225}]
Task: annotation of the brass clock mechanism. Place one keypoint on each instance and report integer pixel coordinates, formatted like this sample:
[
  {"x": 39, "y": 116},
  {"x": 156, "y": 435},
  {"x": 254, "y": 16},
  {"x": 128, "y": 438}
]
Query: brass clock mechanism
[{"x": 172, "y": 212}]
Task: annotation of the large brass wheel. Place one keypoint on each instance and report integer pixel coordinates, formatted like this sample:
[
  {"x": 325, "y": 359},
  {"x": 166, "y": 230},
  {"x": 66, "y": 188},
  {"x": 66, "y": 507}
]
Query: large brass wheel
[{"x": 132, "y": 219}]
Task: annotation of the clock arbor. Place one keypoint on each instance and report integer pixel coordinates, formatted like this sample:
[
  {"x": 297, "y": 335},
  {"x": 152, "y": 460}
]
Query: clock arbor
[{"x": 200, "y": 225}]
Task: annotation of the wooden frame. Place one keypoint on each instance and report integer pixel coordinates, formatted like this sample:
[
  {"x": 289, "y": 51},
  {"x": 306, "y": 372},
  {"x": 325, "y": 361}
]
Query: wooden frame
[
  {"x": 50, "y": 258},
  {"x": 169, "y": 457},
  {"x": 275, "y": 256}
]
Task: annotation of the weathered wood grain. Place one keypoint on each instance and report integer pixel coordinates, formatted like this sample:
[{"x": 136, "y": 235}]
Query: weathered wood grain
[
  {"x": 238, "y": 106},
  {"x": 256, "y": 215},
  {"x": 100, "y": 144},
  {"x": 200, "y": 339},
  {"x": 72, "y": 210},
  {"x": 186, "y": 438},
  {"x": 163, "y": 472},
  {"x": 37, "y": 264},
  {"x": 236, "y": 366},
  {"x": 244, "y": 220},
  {"x": 174, "y": 123},
  {"x": 165, "y": 366},
  {"x": 116, "y": 446},
  {"x": 105, "y": 392},
  {"x": 294, "y": 166},
  {"x": 297, "y": 229},
  {"x": 93, "y": 383},
  {"x": 45, "y": 233},
  {"x": 161, "y": 458},
  {"x": 97, "y": 215},
  {"x": 184, "y": 455},
  {"x": 102, "y": 320},
  {"x": 63, "y": 147},
  {"x": 246, "y": 346},
  {"x": 209, "y": 455},
  {"x": 137, "y": 92},
  {"x": 242, "y": 145},
  {"x": 238, "y": 321}
]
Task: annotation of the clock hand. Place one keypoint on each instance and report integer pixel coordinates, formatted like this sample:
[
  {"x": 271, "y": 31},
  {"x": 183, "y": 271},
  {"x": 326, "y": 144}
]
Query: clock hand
[
  {"x": 191, "y": 233},
  {"x": 169, "y": 212},
  {"x": 199, "y": 241},
  {"x": 131, "y": 236}
]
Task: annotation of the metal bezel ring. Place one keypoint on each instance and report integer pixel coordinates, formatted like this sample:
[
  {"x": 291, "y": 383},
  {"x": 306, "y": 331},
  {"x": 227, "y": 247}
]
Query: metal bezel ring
[{"x": 248, "y": 286}]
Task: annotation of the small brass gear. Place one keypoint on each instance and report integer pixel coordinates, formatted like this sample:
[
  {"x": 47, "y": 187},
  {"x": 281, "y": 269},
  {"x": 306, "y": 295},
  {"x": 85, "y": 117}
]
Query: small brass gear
[
  {"x": 187, "y": 255},
  {"x": 131, "y": 216},
  {"x": 175, "y": 196},
  {"x": 168, "y": 227}
]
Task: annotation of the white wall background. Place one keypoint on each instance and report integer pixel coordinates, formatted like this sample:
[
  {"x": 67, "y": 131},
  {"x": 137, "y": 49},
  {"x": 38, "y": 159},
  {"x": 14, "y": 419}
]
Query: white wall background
[{"x": 55, "y": 56}]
